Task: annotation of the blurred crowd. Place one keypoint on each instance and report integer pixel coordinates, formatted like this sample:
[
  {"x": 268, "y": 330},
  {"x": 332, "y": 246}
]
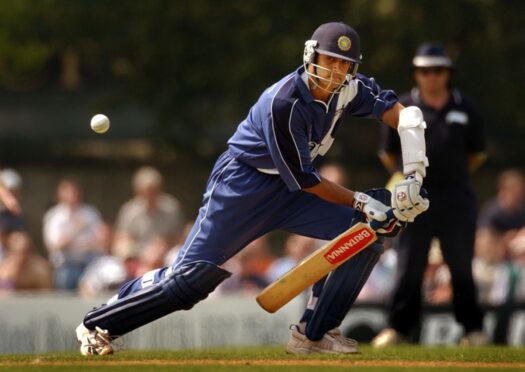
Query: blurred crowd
[{"x": 93, "y": 257}]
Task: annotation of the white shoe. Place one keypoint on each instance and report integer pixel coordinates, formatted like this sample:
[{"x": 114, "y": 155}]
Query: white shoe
[
  {"x": 331, "y": 343},
  {"x": 336, "y": 333},
  {"x": 474, "y": 338},
  {"x": 387, "y": 337},
  {"x": 97, "y": 342}
]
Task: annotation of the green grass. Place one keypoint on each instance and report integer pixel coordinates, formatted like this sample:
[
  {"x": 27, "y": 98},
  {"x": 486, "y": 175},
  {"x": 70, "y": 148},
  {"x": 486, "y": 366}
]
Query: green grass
[{"x": 402, "y": 358}]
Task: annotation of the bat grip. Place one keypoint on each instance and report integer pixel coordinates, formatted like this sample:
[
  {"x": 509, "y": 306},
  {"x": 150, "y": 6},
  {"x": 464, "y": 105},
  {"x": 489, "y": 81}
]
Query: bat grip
[{"x": 374, "y": 224}]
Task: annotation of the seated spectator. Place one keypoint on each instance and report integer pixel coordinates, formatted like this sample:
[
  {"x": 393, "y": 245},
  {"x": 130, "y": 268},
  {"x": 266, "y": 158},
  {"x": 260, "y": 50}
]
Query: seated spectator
[
  {"x": 517, "y": 255},
  {"x": 10, "y": 220},
  {"x": 69, "y": 231},
  {"x": 105, "y": 273},
  {"x": 334, "y": 172},
  {"x": 150, "y": 213},
  {"x": 249, "y": 268},
  {"x": 380, "y": 283},
  {"x": 10, "y": 182},
  {"x": 255, "y": 260},
  {"x": 503, "y": 216},
  {"x": 490, "y": 268},
  {"x": 175, "y": 249},
  {"x": 296, "y": 248},
  {"x": 436, "y": 288},
  {"x": 153, "y": 255},
  {"x": 22, "y": 268},
  {"x": 500, "y": 223}
]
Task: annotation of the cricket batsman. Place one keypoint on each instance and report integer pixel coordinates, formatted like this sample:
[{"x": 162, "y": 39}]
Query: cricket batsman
[{"x": 267, "y": 180}]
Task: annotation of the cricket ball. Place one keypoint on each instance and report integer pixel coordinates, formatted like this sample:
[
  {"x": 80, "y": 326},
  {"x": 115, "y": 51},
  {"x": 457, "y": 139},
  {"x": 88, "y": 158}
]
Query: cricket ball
[{"x": 100, "y": 123}]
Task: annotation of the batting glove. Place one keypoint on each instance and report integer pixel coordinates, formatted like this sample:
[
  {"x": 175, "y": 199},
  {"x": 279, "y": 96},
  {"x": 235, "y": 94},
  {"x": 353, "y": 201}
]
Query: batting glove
[
  {"x": 391, "y": 228},
  {"x": 372, "y": 208},
  {"x": 408, "y": 200}
]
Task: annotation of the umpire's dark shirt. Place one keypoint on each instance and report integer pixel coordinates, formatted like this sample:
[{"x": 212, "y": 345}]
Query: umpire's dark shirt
[{"x": 452, "y": 134}]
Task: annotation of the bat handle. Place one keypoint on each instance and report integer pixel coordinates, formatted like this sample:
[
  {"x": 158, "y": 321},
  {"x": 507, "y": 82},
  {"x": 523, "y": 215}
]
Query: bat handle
[{"x": 374, "y": 224}]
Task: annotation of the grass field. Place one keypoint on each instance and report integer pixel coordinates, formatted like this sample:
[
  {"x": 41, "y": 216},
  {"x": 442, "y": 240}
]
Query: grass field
[{"x": 402, "y": 358}]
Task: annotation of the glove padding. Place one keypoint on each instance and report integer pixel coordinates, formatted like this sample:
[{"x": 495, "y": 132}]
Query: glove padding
[
  {"x": 393, "y": 226},
  {"x": 409, "y": 199}
]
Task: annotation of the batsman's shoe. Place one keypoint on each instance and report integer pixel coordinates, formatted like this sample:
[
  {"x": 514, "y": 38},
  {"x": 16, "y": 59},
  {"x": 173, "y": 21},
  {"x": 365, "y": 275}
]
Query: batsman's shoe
[
  {"x": 336, "y": 333},
  {"x": 331, "y": 343},
  {"x": 96, "y": 342},
  {"x": 387, "y": 337}
]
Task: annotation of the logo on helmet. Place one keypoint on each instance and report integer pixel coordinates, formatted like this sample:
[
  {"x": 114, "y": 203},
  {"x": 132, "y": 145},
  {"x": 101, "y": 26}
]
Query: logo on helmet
[{"x": 344, "y": 43}]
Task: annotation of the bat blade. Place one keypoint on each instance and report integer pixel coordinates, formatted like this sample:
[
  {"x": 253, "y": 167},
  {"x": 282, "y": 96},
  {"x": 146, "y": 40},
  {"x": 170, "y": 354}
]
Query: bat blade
[{"x": 314, "y": 267}]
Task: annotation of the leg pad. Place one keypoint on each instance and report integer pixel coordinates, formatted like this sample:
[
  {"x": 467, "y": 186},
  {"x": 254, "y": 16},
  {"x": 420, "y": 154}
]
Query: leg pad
[{"x": 181, "y": 290}]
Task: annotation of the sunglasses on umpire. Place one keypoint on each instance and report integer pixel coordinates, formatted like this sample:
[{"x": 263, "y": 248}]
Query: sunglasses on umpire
[{"x": 431, "y": 70}]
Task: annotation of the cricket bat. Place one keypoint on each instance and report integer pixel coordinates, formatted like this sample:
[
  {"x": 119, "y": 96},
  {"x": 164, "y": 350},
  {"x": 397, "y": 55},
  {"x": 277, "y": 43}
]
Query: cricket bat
[{"x": 315, "y": 266}]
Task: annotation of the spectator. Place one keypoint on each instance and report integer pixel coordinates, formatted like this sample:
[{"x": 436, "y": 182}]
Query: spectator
[
  {"x": 503, "y": 216},
  {"x": 254, "y": 262},
  {"x": 296, "y": 248},
  {"x": 174, "y": 251},
  {"x": 22, "y": 268},
  {"x": 10, "y": 180},
  {"x": 380, "y": 284},
  {"x": 250, "y": 268},
  {"x": 152, "y": 255},
  {"x": 498, "y": 237},
  {"x": 106, "y": 272},
  {"x": 490, "y": 268},
  {"x": 70, "y": 231},
  {"x": 437, "y": 288},
  {"x": 517, "y": 254},
  {"x": 335, "y": 173},
  {"x": 455, "y": 145},
  {"x": 150, "y": 213},
  {"x": 10, "y": 220}
]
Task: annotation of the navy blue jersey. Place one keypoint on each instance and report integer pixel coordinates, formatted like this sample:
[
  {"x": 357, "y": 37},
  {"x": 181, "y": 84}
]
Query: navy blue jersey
[
  {"x": 452, "y": 134},
  {"x": 287, "y": 129}
]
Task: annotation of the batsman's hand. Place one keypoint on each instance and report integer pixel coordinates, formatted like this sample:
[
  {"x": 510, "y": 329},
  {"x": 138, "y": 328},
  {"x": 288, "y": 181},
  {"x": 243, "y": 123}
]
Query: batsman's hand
[
  {"x": 372, "y": 208},
  {"x": 391, "y": 228},
  {"x": 409, "y": 199}
]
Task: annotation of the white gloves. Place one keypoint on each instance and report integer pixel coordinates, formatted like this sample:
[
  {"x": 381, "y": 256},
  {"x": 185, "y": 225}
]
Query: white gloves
[
  {"x": 374, "y": 209},
  {"x": 407, "y": 201}
]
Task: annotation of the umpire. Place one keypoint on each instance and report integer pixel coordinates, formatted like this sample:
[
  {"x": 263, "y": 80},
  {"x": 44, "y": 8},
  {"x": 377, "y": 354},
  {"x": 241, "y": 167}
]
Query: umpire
[{"x": 455, "y": 147}]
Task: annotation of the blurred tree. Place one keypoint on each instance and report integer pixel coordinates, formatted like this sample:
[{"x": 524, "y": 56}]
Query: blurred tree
[{"x": 199, "y": 64}]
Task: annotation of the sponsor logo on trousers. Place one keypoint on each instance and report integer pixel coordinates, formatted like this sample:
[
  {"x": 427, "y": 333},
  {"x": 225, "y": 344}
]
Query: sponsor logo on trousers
[{"x": 348, "y": 245}]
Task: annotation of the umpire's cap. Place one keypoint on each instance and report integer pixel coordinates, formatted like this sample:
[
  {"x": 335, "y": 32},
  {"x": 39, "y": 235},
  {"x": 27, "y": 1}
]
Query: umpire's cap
[
  {"x": 339, "y": 40},
  {"x": 431, "y": 55}
]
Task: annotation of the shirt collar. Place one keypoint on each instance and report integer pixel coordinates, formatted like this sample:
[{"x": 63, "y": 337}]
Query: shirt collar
[{"x": 301, "y": 81}]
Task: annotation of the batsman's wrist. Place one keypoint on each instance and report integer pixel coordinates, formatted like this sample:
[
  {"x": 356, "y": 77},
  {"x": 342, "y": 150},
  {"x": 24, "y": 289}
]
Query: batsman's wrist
[
  {"x": 360, "y": 199},
  {"x": 416, "y": 175}
]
